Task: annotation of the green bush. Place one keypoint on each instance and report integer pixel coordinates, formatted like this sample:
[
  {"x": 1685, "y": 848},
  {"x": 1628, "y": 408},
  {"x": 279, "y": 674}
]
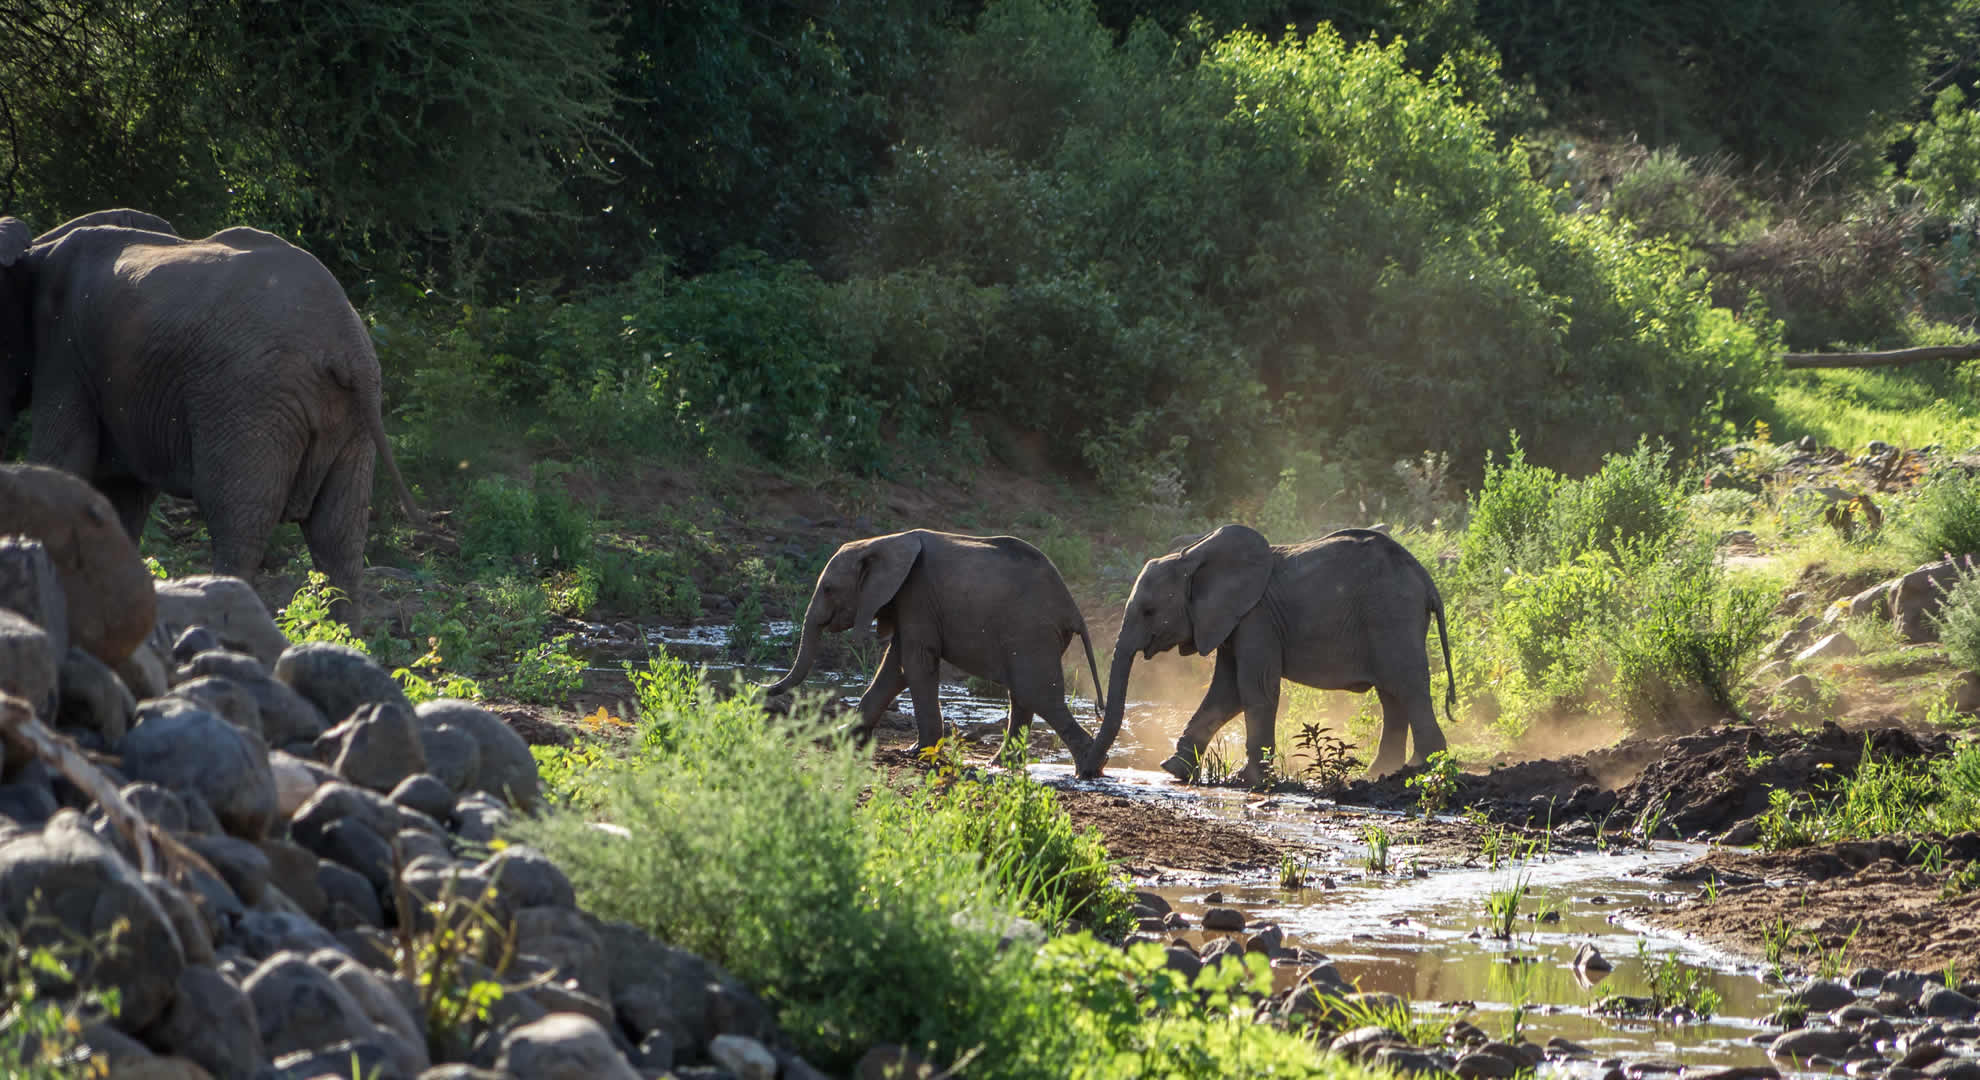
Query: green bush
[
  {"x": 1684, "y": 651},
  {"x": 1944, "y": 518},
  {"x": 1553, "y": 619},
  {"x": 1634, "y": 499},
  {"x": 537, "y": 524},
  {"x": 1958, "y": 618},
  {"x": 1508, "y": 529}
]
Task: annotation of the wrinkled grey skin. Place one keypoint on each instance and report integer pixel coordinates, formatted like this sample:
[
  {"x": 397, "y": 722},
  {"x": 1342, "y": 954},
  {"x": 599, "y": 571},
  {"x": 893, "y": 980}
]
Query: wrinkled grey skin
[
  {"x": 231, "y": 371},
  {"x": 993, "y": 606},
  {"x": 1349, "y": 611}
]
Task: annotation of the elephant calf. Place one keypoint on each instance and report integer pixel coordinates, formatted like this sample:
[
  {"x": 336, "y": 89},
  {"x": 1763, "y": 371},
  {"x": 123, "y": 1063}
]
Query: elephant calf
[
  {"x": 993, "y": 606},
  {"x": 1349, "y": 611}
]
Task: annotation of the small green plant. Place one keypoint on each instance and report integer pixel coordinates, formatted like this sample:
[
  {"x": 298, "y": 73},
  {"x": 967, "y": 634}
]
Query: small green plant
[
  {"x": 1651, "y": 818},
  {"x": 1960, "y": 882},
  {"x": 306, "y": 617},
  {"x": 1329, "y": 758},
  {"x": 1832, "y": 963},
  {"x": 41, "y": 1011},
  {"x": 1397, "y": 1014},
  {"x": 437, "y": 951},
  {"x": 1930, "y": 857},
  {"x": 1293, "y": 871},
  {"x": 1944, "y": 518},
  {"x": 1437, "y": 783},
  {"x": 1712, "y": 888},
  {"x": 1376, "y": 836},
  {"x": 1958, "y": 616},
  {"x": 548, "y": 673},
  {"x": 1502, "y": 907},
  {"x": 1675, "y": 985},
  {"x": 420, "y": 688},
  {"x": 1759, "y": 760}
]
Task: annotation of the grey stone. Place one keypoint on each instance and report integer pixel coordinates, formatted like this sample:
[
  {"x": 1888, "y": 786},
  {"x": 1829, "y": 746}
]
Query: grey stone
[
  {"x": 1822, "y": 995},
  {"x": 1954, "y": 1069},
  {"x": 1832, "y": 647},
  {"x": 286, "y": 716},
  {"x": 342, "y": 885},
  {"x": 506, "y": 768},
  {"x": 1804, "y": 1043},
  {"x": 743, "y": 1056},
  {"x": 657, "y": 987},
  {"x": 461, "y": 1072},
  {"x": 91, "y": 697},
  {"x": 227, "y": 607},
  {"x": 351, "y": 843},
  {"x": 300, "y": 1007},
  {"x": 1945, "y": 1003},
  {"x": 338, "y": 679},
  {"x": 564, "y": 942},
  {"x": 78, "y": 888},
  {"x": 1919, "y": 594},
  {"x": 225, "y": 698},
  {"x": 428, "y": 880},
  {"x": 381, "y": 1003},
  {"x": 1866, "y": 978},
  {"x": 193, "y": 641},
  {"x": 30, "y": 587},
  {"x": 375, "y": 748},
  {"x": 292, "y": 869},
  {"x": 212, "y": 1023},
  {"x": 525, "y": 877},
  {"x": 370, "y": 1058},
  {"x": 478, "y": 818},
  {"x": 1223, "y": 918},
  {"x": 160, "y": 806},
  {"x": 412, "y": 843},
  {"x": 1906, "y": 983},
  {"x": 144, "y": 672},
  {"x": 183, "y": 912},
  {"x": 28, "y": 803},
  {"x": 452, "y": 755},
  {"x": 28, "y": 663},
  {"x": 563, "y": 1046},
  {"x": 240, "y": 864},
  {"x": 183, "y": 747},
  {"x": 1481, "y": 1066},
  {"x": 425, "y": 793},
  {"x": 339, "y": 801},
  {"x": 263, "y": 935}
]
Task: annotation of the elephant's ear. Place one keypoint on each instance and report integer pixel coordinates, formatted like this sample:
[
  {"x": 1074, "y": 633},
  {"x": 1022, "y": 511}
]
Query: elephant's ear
[
  {"x": 14, "y": 240},
  {"x": 120, "y": 218},
  {"x": 1227, "y": 573},
  {"x": 885, "y": 565}
]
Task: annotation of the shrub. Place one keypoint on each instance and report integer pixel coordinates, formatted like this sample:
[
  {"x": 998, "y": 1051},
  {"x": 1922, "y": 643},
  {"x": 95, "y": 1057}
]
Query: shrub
[
  {"x": 538, "y": 524},
  {"x": 41, "y": 1023},
  {"x": 1634, "y": 499},
  {"x": 1944, "y": 518},
  {"x": 1509, "y": 514},
  {"x": 1552, "y": 618},
  {"x": 1958, "y": 618},
  {"x": 1685, "y": 649}
]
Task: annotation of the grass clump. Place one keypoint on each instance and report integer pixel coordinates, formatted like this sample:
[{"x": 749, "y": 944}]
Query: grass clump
[
  {"x": 1958, "y": 618},
  {"x": 1944, "y": 518},
  {"x": 534, "y": 524},
  {"x": 44, "y": 1010},
  {"x": 1689, "y": 642},
  {"x": 1881, "y": 797}
]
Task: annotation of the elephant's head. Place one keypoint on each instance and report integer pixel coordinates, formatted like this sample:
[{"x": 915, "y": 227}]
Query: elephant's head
[
  {"x": 861, "y": 578},
  {"x": 1189, "y": 600}
]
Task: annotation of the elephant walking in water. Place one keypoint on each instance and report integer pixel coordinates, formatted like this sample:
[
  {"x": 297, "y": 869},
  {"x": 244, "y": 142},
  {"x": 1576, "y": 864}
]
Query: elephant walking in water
[
  {"x": 230, "y": 370},
  {"x": 1349, "y": 611},
  {"x": 993, "y": 606}
]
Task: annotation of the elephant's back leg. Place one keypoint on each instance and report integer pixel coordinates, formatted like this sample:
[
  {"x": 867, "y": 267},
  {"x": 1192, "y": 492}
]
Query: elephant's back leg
[{"x": 337, "y": 521}]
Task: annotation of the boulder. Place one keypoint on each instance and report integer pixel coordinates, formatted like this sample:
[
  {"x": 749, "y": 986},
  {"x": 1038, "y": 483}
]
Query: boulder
[
  {"x": 74, "y": 887},
  {"x": 1945, "y": 1003},
  {"x": 227, "y": 607},
  {"x": 337, "y": 679},
  {"x": 478, "y": 818},
  {"x": 108, "y": 591},
  {"x": 93, "y": 698},
  {"x": 452, "y": 755},
  {"x": 29, "y": 664},
  {"x": 370, "y": 1059},
  {"x": 1823, "y": 995},
  {"x": 562, "y": 1046},
  {"x": 286, "y": 716},
  {"x": 525, "y": 877},
  {"x": 744, "y": 1057},
  {"x": 425, "y": 793},
  {"x": 381, "y": 1002},
  {"x": 211, "y": 1023},
  {"x": 226, "y": 699},
  {"x": 658, "y": 987},
  {"x": 145, "y": 672},
  {"x": 1804, "y": 1043},
  {"x": 299, "y": 1007},
  {"x": 240, "y": 864},
  {"x": 561, "y": 940},
  {"x": 377, "y": 747},
  {"x": 182, "y": 747},
  {"x": 1918, "y": 596},
  {"x": 294, "y": 783},
  {"x": 191, "y": 642},
  {"x": 1832, "y": 647},
  {"x": 351, "y": 899},
  {"x": 506, "y": 769},
  {"x": 29, "y": 588},
  {"x": 292, "y": 868},
  {"x": 264, "y": 935},
  {"x": 1223, "y": 918}
]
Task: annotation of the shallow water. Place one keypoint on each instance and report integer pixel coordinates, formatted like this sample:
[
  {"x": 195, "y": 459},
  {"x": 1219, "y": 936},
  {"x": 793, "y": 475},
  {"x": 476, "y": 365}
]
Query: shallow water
[{"x": 1416, "y": 934}]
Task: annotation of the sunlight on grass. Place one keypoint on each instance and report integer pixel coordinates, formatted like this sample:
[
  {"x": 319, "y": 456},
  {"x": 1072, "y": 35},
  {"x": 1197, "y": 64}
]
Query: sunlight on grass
[{"x": 1849, "y": 408}]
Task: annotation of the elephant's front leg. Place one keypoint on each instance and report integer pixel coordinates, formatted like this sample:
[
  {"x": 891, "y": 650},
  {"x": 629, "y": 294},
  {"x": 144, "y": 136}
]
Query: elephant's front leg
[
  {"x": 1261, "y": 722},
  {"x": 887, "y": 684},
  {"x": 923, "y": 667},
  {"x": 1220, "y": 703}
]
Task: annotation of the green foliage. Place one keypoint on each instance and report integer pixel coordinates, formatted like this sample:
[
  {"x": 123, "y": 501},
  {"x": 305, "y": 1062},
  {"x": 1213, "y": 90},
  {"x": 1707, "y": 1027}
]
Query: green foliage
[
  {"x": 306, "y": 617},
  {"x": 1547, "y": 618},
  {"x": 548, "y": 673},
  {"x": 1946, "y": 163},
  {"x": 1674, "y": 985},
  {"x": 423, "y": 680},
  {"x": 460, "y": 929},
  {"x": 1944, "y": 518},
  {"x": 1437, "y": 783},
  {"x": 1376, "y": 836},
  {"x": 537, "y": 525},
  {"x": 44, "y": 1012},
  {"x": 1881, "y": 797},
  {"x": 1509, "y": 514},
  {"x": 1686, "y": 647}
]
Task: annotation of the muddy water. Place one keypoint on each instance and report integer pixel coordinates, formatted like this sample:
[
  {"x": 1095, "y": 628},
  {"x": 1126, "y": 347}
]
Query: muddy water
[{"x": 1415, "y": 930}]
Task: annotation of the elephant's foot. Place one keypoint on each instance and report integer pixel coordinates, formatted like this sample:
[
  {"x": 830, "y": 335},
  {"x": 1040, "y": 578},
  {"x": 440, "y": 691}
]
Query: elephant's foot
[
  {"x": 1182, "y": 766},
  {"x": 1254, "y": 774},
  {"x": 1383, "y": 767}
]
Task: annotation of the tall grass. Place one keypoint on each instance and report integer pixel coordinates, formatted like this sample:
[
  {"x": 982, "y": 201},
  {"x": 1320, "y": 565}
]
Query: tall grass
[{"x": 1881, "y": 797}]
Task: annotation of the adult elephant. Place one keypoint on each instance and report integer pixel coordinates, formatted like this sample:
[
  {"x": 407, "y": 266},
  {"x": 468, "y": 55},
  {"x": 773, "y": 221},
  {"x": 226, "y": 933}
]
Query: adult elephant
[
  {"x": 993, "y": 606},
  {"x": 230, "y": 370},
  {"x": 1349, "y": 611}
]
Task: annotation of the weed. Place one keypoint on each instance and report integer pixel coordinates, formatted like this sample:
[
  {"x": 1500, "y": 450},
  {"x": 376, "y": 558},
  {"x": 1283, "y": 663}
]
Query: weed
[
  {"x": 1933, "y": 859},
  {"x": 1651, "y": 818},
  {"x": 1712, "y": 888},
  {"x": 548, "y": 673},
  {"x": 1437, "y": 783},
  {"x": 1293, "y": 871},
  {"x": 1759, "y": 760},
  {"x": 1944, "y": 518},
  {"x": 443, "y": 954},
  {"x": 42, "y": 1011},
  {"x": 306, "y": 617},
  {"x": 1831, "y": 963},
  {"x": 1686, "y": 650},
  {"x": 1502, "y": 907},
  {"x": 1960, "y": 882},
  {"x": 1675, "y": 985},
  {"x": 1958, "y": 617},
  {"x": 536, "y": 525},
  {"x": 1330, "y": 760},
  {"x": 1397, "y": 1014},
  {"x": 1376, "y": 836},
  {"x": 419, "y": 688}
]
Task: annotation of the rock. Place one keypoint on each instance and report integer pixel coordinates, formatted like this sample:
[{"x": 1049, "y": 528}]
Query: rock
[
  {"x": 183, "y": 912},
  {"x": 743, "y": 1056},
  {"x": 655, "y": 1051},
  {"x": 478, "y": 818},
  {"x": 227, "y": 607},
  {"x": 338, "y": 679},
  {"x": 1945, "y": 1003},
  {"x": 1153, "y": 901},
  {"x": 1918, "y": 596},
  {"x": 287, "y": 717},
  {"x": 144, "y": 672},
  {"x": 337, "y": 801},
  {"x": 1833, "y": 647},
  {"x": 561, "y": 940},
  {"x": 452, "y": 755},
  {"x": 1854, "y": 1016},
  {"x": 224, "y": 698},
  {"x": 1797, "y": 688},
  {"x": 369, "y": 1058},
  {"x": 1804, "y": 1043},
  {"x": 29, "y": 664},
  {"x": 78, "y": 888},
  {"x": 1822, "y": 995},
  {"x": 29, "y": 588},
  {"x": 382, "y": 1004},
  {"x": 525, "y": 877},
  {"x": 183, "y": 747},
  {"x": 375, "y": 748},
  {"x": 344, "y": 887},
  {"x": 1866, "y": 978},
  {"x": 1407, "y": 1060},
  {"x": 425, "y": 793},
  {"x": 1362, "y": 1041},
  {"x": 562, "y": 1046},
  {"x": 1954, "y": 1069},
  {"x": 292, "y": 869},
  {"x": 1905, "y": 983},
  {"x": 1966, "y": 693},
  {"x": 299, "y": 1007},
  {"x": 265, "y": 935},
  {"x": 657, "y": 987},
  {"x": 241, "y": 864},
  {"x": 794, "y": 1067},
  {"x": 1742, "y": 834},
  {"x": 351, "y": 843},
  {"x": 93, "y": 698},
  {"x": 1223, "y": 918},
  {"x": 1589, "y": 958},
  {"x": 212, "y": 1023},
  {"x": 1484, "y": 1067},
  {"x": 1563, "y": 1048},
  {"x": 193, "y": 641},
  {"x": 1875, "y": 600},
  {"x": 460, "y": 1072},
  {"x": 1267, "y": 940},
  {"x": 106, "y": 589},
  {"x": 1183, "y": 962},
  {"x": 294, "y": 783},
  {"x": 506, "y": 769}
]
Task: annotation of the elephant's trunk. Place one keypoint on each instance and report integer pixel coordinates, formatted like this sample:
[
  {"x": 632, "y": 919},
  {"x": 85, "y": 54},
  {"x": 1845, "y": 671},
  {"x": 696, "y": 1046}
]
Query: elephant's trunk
[
  {"x": 807, "y": 652},
  {"x": 1116, "y": 705}
]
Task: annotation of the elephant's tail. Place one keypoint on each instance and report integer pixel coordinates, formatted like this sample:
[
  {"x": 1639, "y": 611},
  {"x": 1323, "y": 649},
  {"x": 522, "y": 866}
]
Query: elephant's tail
[
  {"x": 1450, "y": 673},
  {"x": 1093, "y": 666},
  {"x": 384, "y": 446}
]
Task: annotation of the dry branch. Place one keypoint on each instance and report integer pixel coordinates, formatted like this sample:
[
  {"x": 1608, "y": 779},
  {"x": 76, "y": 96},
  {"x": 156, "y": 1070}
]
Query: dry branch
[{"x": 1880, "y": 359}]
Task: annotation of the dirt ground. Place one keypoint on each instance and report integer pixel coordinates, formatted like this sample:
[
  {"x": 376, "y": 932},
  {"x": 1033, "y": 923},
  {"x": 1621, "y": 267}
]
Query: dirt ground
[{"x": 1858, "y": 899}]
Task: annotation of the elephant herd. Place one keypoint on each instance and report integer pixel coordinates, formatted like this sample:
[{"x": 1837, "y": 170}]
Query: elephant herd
[
  {"x": 1349, "y": 611},
  {"x": 233, "y": 371}
]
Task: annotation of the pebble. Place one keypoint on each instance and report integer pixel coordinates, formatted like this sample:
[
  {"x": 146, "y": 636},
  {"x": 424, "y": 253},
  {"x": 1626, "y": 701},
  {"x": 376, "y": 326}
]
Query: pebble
[{"x": 1223, "y": 918}]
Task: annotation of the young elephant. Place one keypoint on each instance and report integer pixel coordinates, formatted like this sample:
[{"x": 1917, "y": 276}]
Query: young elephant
[
  {"x": 993, "y": 606},
  {"x": 1348, "y": 611}
]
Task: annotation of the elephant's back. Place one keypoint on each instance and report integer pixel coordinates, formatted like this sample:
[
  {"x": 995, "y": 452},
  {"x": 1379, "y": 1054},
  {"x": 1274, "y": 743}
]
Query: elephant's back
[{"x": 1349, "y": 563}]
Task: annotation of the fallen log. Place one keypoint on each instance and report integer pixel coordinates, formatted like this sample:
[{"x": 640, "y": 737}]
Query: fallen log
[{"x": 1893, "y": 358}]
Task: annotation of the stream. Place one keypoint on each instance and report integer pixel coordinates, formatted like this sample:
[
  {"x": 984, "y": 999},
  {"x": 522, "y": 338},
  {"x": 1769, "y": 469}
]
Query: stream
[{"x": 1415, "y": 932}]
